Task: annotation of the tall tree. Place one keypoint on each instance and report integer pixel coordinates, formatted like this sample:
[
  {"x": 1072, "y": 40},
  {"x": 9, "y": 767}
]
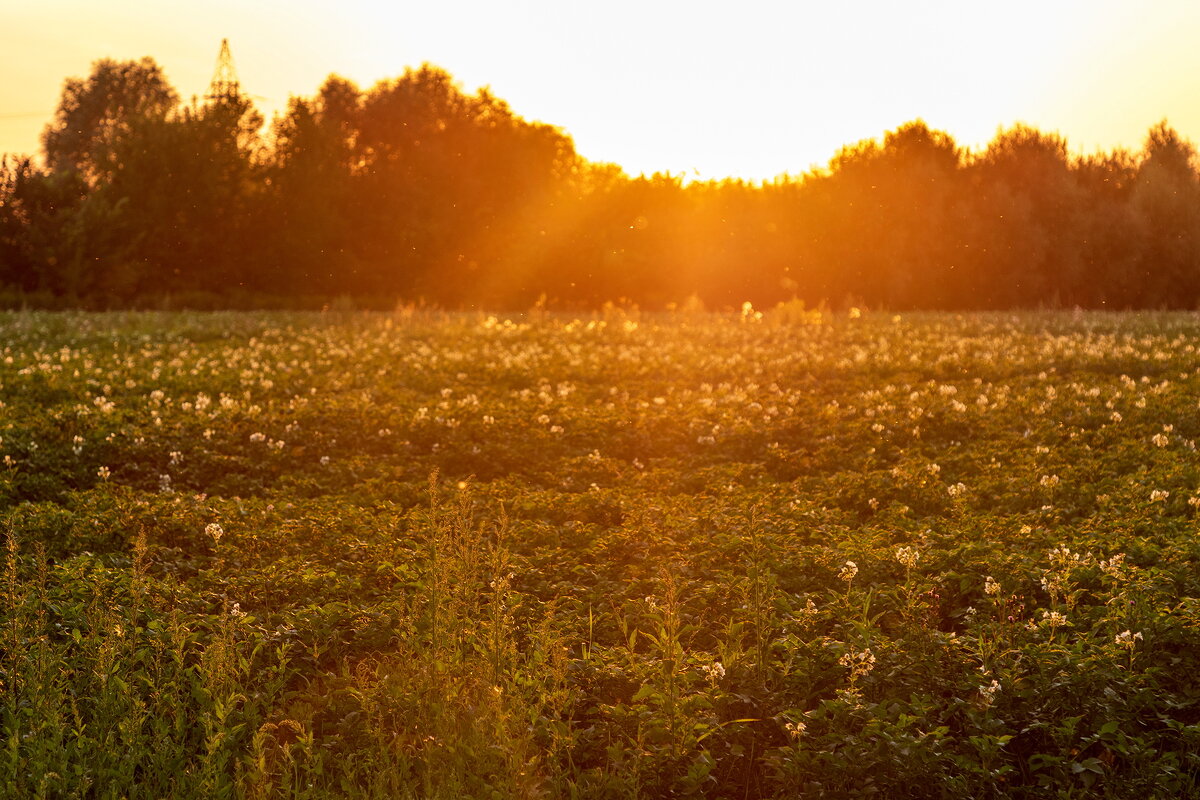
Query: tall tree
[
  {"x": 450, "y": 184},
  {"x": 1166, "y": 205},
  {"x": 95, "y": 113},
  {"x": 313, "y": 200},
  {"x": 1025, "y": 241}
]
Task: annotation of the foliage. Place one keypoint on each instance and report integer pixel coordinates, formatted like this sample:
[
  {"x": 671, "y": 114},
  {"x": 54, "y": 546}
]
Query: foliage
[
  {"x": 415, "y": 191},
  {"x": 752, "y": 555}
]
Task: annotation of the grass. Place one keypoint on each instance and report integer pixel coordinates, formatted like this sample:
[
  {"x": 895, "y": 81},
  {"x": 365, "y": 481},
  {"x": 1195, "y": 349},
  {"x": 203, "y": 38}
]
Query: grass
[{"x": 404, "y": 555}]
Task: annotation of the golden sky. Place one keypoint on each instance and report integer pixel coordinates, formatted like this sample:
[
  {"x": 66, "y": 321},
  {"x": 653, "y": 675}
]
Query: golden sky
[{"x": 750, "y": 89}]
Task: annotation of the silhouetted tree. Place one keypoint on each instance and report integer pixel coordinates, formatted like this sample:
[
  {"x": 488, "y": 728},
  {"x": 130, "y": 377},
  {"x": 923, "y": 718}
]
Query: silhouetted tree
[
  {"x": 95, "y": 114},
  {"x": 448, "y": 183},
  {"x": 1109, "y": 247},
  {"x": 1166, "y": 208},
  {"x": 314, "y": 201},
  {"x": 415, "y": 189},
  {"x": 1024, "y": 237},
  {"x": 19, "y": 228},
  {"x": 199, "y": 191}
]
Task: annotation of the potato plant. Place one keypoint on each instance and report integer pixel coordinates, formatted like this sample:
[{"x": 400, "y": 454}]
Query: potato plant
[{"x": 744, "y": 555}]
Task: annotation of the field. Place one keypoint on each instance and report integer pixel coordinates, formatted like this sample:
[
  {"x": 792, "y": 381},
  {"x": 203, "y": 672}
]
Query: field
[{"x": 742, "y": 555}]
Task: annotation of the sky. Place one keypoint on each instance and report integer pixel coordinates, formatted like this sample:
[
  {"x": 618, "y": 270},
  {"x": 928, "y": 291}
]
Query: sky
[{"x": 752, "y": 89}]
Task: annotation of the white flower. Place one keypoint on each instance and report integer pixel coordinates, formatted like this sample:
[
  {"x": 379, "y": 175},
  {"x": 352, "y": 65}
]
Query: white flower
[
  {"x": 1062, "y": 556},
  {"x": 1052, "y": 583},
  {"x": 1128, "y": 638},
  {"x": 988, "y": 693},
  {"x": 795, "y": 729},
  {"x": 848, "y": 571},
  {"x": 990, "y": 586},
  {"x": 1159, "y": 495},
  {"x": 859, "y": 663},
  {"x": 214, "y": 530},
  {"x": 908, "y": 556},
  {"x": 714, "y": 671},
  {"x": 103, "y": 472},
  {"x": 957, "y": 490},
  {"x": 1053, "y": 619}
]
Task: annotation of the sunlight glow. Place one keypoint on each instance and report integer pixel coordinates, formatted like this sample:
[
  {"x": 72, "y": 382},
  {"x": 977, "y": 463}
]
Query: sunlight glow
[{"x": 704, "y": 88}]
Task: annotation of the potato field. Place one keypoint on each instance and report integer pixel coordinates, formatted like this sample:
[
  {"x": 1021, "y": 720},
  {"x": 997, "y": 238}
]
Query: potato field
[{"x": 785, "y": 554}]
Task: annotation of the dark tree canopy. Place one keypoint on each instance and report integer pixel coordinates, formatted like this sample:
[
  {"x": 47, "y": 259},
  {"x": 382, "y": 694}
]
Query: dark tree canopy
[
  {"x": 416, "y": 191},
  {"x": 96, "y": 114}
]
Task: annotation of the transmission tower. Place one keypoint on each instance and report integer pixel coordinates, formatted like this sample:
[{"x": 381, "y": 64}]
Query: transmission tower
[{"x": 224, "y": 84}]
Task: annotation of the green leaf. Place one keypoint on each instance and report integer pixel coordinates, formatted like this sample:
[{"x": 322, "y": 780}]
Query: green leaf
[{"x": 647, "y": 690}]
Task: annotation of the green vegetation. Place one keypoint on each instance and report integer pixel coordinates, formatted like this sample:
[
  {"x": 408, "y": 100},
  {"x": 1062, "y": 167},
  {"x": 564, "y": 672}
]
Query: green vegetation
[{"x": 302, "y": 555}]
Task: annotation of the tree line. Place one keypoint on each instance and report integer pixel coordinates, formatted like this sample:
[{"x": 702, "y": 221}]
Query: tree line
[{"x": 416, "y": 191}]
